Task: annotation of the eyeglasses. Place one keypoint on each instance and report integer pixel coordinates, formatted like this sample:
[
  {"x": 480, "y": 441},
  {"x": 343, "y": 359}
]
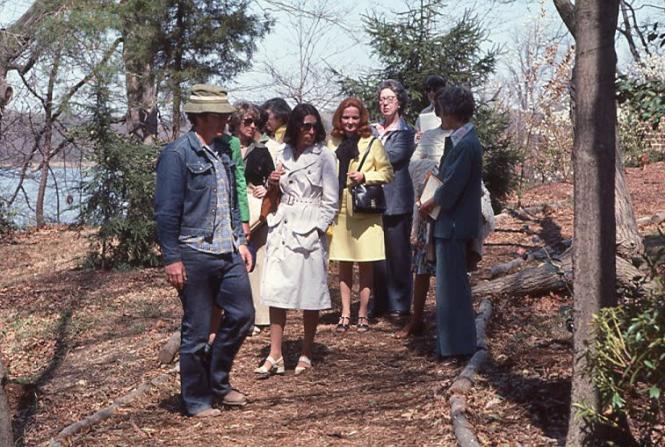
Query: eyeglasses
[
  {"x": 388, "y": 100},
  {"x": 248, "y": 121},
  {"x": 308, "y": 126}
]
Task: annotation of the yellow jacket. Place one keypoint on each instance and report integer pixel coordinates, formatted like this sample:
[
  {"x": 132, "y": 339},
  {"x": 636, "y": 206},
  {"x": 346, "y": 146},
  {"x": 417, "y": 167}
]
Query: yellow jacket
[{"x": 376, "y": 169}]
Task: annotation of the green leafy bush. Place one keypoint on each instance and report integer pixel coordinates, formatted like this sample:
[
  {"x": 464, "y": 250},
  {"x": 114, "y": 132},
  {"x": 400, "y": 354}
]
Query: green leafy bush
[
  {"x": 628, "y": 367},
  {"x": 642, "y": 100}
]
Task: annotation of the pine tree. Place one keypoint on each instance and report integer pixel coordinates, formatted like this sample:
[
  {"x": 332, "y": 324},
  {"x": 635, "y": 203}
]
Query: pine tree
[
  {"x": 119, "y": 190},
  {"x": 415, "y": 44}
]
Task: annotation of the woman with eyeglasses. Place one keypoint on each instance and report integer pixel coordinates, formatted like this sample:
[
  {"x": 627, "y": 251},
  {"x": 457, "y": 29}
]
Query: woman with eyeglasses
[
  {"x": 295, "y": 275},
  {"x": 392, "y": 281},
  {"x": 356, "y": 237},
  {"x": 258, "y": 165}
]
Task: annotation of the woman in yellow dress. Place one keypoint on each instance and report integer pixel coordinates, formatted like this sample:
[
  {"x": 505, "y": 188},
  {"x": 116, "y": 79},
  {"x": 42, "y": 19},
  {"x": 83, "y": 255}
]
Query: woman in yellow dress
[{"x": 356, "y": 237}]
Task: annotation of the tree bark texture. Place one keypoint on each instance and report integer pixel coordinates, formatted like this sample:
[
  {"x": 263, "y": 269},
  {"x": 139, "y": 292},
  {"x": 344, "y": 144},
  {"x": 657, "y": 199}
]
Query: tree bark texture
[
  {"x": 141, "y": 99},
  {"x": 628, "y": 239},
  {"x": 594, "y": 161},
  {"x": 6, "y": 435}
]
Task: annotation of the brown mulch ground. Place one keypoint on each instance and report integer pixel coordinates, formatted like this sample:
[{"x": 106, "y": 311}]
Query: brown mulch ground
[{"x": 76, "y": 340}]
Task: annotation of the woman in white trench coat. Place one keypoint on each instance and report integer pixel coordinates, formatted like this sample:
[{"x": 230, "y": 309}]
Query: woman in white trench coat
[{"x": 295, "y": 275}]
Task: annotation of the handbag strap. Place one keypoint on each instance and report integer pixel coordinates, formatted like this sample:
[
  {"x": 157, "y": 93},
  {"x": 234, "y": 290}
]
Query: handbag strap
[{"x": 369, "y": 146}]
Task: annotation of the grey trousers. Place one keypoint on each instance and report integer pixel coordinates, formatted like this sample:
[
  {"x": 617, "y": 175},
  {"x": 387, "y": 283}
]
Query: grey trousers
[{"x": 455, "y": 318}]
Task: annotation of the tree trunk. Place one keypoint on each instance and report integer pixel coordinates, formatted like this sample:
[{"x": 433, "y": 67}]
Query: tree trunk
[
  {"x": 177, "y": 70},
  {"x": 138, "y": 57},
  {"x": 141, "y": 99},
  {"x": 43, "y": 176},
  {"x": 594, "y": 157},
  {"x": 629, "y": 241},
  {"x": 6, "y": 435},
  {"x": 6, "y": 92}
]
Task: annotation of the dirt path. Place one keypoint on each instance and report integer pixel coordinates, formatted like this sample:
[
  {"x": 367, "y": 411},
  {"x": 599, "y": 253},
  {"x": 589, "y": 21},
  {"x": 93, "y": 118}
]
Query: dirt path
[{"x": 76, "y": 340}]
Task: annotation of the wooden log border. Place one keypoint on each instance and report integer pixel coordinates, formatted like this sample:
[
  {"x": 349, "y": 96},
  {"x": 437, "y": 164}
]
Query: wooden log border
[
  {"x": 463, "y": 383},
  {"x": 110, "y": 410}
]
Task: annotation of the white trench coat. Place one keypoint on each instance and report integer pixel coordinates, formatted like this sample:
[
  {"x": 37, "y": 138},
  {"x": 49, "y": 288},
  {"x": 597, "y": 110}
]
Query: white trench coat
[{"x": 295, "y": 274}]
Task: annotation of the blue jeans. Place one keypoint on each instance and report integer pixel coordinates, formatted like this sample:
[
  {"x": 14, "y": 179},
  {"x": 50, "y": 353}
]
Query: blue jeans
[{"x": 220, "y": 280}]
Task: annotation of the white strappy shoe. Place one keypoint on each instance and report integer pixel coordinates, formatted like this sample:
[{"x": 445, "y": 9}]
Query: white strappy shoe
[
  {"x": 276, "y": 367},
  {"x": 305, "y": 361}
]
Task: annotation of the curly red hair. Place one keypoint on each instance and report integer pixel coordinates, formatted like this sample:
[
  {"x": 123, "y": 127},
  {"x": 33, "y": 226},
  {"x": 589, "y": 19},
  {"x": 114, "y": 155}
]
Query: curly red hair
[{"x": 363, "y": 126}]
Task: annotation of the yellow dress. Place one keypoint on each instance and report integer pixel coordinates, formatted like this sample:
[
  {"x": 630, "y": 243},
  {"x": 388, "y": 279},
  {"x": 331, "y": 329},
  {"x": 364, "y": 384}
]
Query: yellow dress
[{"x": 359, "y": 237}]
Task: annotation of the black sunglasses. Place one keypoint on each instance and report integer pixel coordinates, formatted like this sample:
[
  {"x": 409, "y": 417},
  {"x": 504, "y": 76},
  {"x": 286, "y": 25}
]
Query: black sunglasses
[
  {"x": 308, "y": 126},
  {"x": 248, "y": 121}
]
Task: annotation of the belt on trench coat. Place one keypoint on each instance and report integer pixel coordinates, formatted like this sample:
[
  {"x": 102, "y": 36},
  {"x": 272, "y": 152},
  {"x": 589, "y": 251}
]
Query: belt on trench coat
[{"x": 288, "y": 199}]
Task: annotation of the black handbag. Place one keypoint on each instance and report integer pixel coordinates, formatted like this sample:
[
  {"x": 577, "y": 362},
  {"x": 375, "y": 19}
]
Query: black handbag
[{"x": 368, "y": 199}]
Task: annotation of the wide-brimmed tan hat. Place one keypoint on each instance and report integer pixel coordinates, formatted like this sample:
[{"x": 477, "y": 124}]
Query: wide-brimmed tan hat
[{"x": 208, "y": 99}]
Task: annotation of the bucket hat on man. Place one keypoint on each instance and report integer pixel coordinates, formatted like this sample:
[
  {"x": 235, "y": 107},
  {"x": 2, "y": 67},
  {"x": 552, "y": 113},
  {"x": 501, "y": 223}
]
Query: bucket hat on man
[{"x": 208, "y": 99}]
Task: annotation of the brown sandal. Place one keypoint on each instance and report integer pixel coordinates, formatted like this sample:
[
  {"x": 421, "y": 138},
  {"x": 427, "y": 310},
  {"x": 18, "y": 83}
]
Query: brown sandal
[{"x": 363, "y": 324}]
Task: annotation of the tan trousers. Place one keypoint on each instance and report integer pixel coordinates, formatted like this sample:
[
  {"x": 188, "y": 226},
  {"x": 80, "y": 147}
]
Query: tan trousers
[{"x": 258, "y": 238}]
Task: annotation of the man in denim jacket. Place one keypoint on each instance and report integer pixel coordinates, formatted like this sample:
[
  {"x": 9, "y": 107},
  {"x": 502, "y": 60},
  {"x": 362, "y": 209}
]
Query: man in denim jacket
[{"x": 204, "y": 249}]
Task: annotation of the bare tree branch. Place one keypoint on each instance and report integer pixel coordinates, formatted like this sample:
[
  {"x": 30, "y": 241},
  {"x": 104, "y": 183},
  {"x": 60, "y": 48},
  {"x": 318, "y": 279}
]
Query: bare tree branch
[{"x": 566, "y": 10}]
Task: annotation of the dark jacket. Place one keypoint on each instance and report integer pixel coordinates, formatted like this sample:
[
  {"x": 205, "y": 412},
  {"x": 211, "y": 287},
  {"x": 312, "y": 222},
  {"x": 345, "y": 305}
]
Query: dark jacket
[
  {"x": 186, "y": 193},
  {"x": 399, "y": 145},
  {"x": 258, "y": 164},
  {"x": 459, "y": 197}
]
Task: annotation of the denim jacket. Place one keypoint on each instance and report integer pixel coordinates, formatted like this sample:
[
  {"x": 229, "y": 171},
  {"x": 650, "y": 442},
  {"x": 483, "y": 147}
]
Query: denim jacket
[{"x": 186, "y": 193}]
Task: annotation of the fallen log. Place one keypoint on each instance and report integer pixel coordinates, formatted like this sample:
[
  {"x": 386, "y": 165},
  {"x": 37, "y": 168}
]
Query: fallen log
[
  {"x": 61, "y": 438},
  {"x": 462, "y": 385},
  {"x": 552, "y": 276},
  {"x": 6, "y": 435},
  {"x": 461, "y": 426},
  {"x": 539, "y": 254},
  {"x": 655, "y": 219},
  {"x": 527, "y": 213},
  {"x": 170, "y": 349}
]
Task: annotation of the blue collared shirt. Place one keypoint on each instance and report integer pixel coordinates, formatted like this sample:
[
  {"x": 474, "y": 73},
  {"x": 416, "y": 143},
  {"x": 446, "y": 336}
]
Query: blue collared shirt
[{"x": 223, "y": 239}]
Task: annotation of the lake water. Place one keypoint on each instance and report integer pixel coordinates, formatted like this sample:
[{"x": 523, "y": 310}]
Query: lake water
[{"x": 55, "y": 211}]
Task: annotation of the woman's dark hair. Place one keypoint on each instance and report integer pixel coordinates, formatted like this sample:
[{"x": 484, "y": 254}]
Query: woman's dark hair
[
  {"x": 261, "y": 120},
  {"x": 243, "y": 108},
  {"x": 456, "y": 101},
  {"x": 296, "y": 120},
  {"x": 363, "y": 126},
  {"x": 399, "y": 91},
  {"x": 279, "y": 107},
  {"x": 434, "y": 82}
]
